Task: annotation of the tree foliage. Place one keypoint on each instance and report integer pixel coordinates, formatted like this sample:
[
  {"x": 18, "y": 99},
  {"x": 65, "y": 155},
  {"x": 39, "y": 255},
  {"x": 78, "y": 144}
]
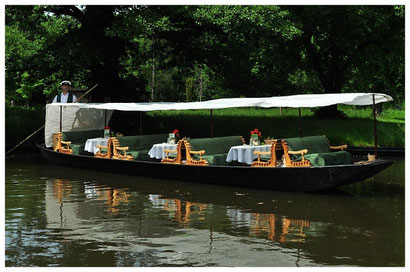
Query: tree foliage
[{"x": 141, "y": 53}]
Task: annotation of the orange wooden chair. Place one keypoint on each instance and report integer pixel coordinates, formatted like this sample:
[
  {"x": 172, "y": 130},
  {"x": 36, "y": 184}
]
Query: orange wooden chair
[
  {"x": 271, "y": 162},
  {"x": 178, "y": 158}
]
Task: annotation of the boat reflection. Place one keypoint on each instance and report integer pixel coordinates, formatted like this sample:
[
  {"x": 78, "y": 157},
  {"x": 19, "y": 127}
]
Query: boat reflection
[
  {"x": 131, "y": 210},
  {"x": 61, "y": 189},
  {"x": 282, "y": 217},
  {"x": 270, "y": 226}
]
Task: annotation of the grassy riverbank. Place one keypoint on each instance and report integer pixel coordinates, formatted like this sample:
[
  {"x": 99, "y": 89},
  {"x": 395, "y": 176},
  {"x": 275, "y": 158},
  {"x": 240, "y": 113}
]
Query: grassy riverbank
[
  {"x": 356, "y": 130},
  {"x": 21, "y": 122}
]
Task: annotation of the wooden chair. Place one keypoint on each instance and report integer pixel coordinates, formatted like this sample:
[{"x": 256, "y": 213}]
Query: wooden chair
[
  {"x": 288, "y": 160},
  {"x": 119, "y": 153},
  {"x": 105, "y": 155},
  {"x": 303, "y": 162},
  {"x": 56, "y": 140},
  {"x": 272, "y": 153},
  {"x": 189, "y": 158},
  {"x": 178, "y": 158},
  {"x": 63, "y": 146}
]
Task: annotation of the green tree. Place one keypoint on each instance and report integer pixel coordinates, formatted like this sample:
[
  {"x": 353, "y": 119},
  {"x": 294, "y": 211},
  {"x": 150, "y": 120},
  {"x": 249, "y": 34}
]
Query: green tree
[
  {"x": 147, "y": 52},
  {"x": 348, "y": 47},
  {"x": 190, "y": 89},
  {"x": 202, "y": 79},
  {"x": 30, "y": 36}
]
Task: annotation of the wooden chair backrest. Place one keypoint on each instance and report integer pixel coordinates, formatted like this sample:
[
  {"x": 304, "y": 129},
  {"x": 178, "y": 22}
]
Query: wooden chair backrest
[
  {"x": 100, "y": 154},
  {"x": 289, "y": 161},
  {"x": 58, "y": 145},
  {"x": 178, "y": 158},
  {"x": 180, "y": 143},
  {"x": 272, "y": 161},
  {"x": 273, "y": 151},
  {"x": 188, "y": 148},
  {"x": 115, "y": 143}
]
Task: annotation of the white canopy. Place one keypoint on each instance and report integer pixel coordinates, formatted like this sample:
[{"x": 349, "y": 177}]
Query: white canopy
[{"x": 80, "y": 116}]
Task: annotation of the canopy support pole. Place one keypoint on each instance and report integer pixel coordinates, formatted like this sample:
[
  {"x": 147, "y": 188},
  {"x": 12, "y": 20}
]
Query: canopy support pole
[
  {"x": 105, "y": 118},
  {"x": 61, "y": 118},
  {"x": 374, "y": 128},
  {"x": 212, "y": 124},
  {"x": 140, "y": 122},
  {"x": 300, "y": 124}
]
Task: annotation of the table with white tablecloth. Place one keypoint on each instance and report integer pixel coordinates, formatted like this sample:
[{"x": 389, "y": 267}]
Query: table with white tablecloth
[
  {"x": 244, "y": 153},
  {"x": 91, "y": 144},
  {"x": 157, "y": 150}
]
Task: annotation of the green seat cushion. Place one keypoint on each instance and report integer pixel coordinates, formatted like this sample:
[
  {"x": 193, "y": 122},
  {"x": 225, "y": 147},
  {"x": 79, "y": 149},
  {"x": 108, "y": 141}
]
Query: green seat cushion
[
  {"x": 314, "y": 144},
  {"x": 80, "y": 137},
  {"x": 78, "y": 149},
  {"x": 330, "y": 158},
  {"x": 265, "y": 158},
  {"x": 172, "y": 155},
  {"x": 140, "y": 155},
  {"x": 142, "y": 142},
  {"x": 216, "y": 149},
  {"x": 216, "y": 159},
  {"x": 217, "y": 145},
  {"x": 319, "y": 153}
]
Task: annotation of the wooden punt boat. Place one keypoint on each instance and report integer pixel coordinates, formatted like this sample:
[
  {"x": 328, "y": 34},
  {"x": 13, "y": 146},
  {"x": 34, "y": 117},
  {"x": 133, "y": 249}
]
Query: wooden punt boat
[
  {"x": 79, "y": 116},
  {"x": 302, "y": 179}
]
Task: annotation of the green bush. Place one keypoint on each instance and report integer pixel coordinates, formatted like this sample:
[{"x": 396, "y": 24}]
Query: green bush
[
  {"x": 21, "y": 122},
  {"x": 356, "y": 130}
]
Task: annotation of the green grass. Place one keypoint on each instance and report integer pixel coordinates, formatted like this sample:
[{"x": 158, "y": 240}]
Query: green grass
[
  {"x": 356, "y": 130},
  {"x": 21, "y": 122},
  {"x": 388, "y": 115}
]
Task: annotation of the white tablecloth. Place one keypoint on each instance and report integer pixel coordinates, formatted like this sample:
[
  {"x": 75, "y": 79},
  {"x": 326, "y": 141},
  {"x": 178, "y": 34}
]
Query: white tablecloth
[
  {"x": 244, "y": 153},
  {"x": 91, "y": 144},
  {"x": 157, "y": 150}
]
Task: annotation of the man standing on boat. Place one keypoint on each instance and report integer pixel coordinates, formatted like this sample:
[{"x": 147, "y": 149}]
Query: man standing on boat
[{"x": 65, "y": 96}]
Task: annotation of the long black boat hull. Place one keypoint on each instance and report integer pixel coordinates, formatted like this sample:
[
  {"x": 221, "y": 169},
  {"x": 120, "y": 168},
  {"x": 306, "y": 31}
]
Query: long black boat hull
[{"x": 304, "y": 179}]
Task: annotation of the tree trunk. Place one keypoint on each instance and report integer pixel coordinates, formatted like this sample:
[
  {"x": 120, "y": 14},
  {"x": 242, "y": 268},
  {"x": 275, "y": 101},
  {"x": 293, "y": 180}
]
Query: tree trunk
[
  {"x": 104, "y": 52},
  {"x": 153, "y": 80},
  {"x": 200, "y": 87}
]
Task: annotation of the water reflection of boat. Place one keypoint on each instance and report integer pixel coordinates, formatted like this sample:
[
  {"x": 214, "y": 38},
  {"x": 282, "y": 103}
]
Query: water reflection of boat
[
  {"x": 105, "y": 207},
  {"x": 264, "y": 225},
  {"x": 186, "y": 199},
  {"x": 71, "y": 214}
]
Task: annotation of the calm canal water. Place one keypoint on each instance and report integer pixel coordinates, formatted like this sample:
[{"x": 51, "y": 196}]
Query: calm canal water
[{"x": 57, "y": 216}]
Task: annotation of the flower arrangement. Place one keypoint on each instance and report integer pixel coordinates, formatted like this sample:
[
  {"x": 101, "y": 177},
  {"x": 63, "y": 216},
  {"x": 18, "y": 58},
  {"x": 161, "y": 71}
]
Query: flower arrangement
[
  {"x": 254, "y": 139},
  {"x": 176, "y": 132},
  {"x": 107, "y": 132},
  {"x": 173, "y": 137},
  {"x": 257, "y": 132}
]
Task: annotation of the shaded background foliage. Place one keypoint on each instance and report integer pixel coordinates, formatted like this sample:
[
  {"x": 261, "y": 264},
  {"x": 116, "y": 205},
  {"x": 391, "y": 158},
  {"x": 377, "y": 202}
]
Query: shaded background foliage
[{"x": 151, "y": 53}]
